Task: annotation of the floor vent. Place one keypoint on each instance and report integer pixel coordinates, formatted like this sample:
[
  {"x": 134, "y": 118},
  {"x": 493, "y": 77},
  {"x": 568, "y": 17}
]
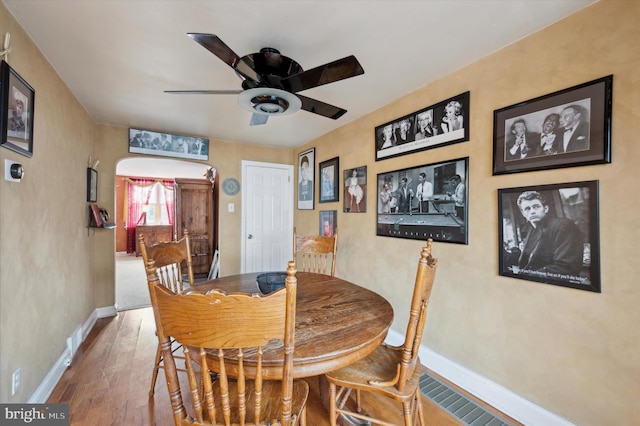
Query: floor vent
[
  {"x": 465, "y": 410},
  {"x": 73, "y": 343}
]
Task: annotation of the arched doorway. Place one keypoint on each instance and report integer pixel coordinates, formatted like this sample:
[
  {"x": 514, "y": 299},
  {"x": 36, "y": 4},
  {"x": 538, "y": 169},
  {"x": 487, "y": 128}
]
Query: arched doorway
[{"x": 130, "y": 280}]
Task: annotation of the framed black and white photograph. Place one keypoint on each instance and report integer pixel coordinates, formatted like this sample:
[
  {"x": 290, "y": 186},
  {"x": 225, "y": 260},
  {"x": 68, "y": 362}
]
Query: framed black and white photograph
[
  {"x": 355, "y": 190},
  {"x": 444, "y": 123},
  {"x": 16, "y": 124},
  {"x": 549, "y": 234},
  {"x": 168, "y": 145},
  {"x": 306, "y": 179},
  {"x": 92, "y": 185},
  {"x": 429, "y": 201},
  {"x": 328, "y": 185},
  {"x": 328, "y": 222},
  {"x": 568, "y": 128}
]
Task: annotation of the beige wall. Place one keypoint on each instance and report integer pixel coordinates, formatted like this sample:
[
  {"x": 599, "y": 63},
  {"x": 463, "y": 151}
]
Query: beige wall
[
  {"x": 575, "y": 353},
  {"x": 572, "y": 352},
  {"x": 46, "y": 256}
]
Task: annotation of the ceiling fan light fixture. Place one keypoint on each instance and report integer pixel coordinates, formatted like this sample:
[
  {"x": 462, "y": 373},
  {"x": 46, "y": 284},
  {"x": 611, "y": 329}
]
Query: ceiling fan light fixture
[{"x": 268, "y": 101}]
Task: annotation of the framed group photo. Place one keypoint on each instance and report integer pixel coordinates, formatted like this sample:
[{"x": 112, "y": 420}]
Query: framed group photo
[
  {"x": 328, "y": 185},
  {"x": 444, "y": 123},
  {"x": 568, "y": 128},
  {"x": 550, "y": 234},
  {"x": 168, "y": 145},
  {"x": 429, "y": 201},
  {"x": 16, "y": 124},
  {"x": 355, "y": 190},
  {"x": 306, "y": 179}
]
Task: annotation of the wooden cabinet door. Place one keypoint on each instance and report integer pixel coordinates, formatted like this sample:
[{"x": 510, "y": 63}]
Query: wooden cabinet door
[{"x": 194, "y": 212}]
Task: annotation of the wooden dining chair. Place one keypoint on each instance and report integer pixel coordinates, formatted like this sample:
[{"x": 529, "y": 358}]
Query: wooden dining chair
[
  {"x": 314, "y": 252},
  {"x": 392, "y": 371},
  {"x": 236, "y": 325},
  {"x": 173, "y": 263}
]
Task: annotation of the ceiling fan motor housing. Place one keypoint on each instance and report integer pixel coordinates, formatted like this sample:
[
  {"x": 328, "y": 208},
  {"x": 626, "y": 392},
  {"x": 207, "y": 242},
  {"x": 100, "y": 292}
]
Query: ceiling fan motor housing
[{"x": 271, "y": 68}]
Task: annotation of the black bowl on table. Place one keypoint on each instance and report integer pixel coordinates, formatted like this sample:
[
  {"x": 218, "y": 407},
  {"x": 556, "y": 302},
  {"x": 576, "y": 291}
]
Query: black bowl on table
[{"x": 271, "y": 281}]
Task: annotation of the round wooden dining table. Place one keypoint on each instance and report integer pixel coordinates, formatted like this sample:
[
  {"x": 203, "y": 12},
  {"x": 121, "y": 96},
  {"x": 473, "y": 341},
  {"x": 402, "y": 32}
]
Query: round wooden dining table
[{"x": 337, "y": 324}]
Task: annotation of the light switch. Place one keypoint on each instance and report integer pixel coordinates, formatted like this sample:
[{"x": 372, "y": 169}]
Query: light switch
[{"x": 232, "y": 207}]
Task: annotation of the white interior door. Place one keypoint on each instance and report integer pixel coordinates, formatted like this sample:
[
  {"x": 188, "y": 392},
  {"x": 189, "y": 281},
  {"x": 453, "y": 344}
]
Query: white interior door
[{"x": 267, "y": 216}]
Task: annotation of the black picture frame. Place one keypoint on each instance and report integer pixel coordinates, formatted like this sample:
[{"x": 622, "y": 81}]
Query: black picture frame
[
  {"x": 306, "y": 179},
  {"x": 328, "y": 222},
  {"x": 16, "y": 123},
  {"x": 392, "y": 141},
  {"x": 440, "y": 213},
  {"x": 355, "y": 190},
  {"x": 92, "y": 185},
  {"x": 589, "y": 104},
  {"x": 563, "y": 248},
  {"x": 329, "y": 180},
  {"x": 168, "y": 145}
]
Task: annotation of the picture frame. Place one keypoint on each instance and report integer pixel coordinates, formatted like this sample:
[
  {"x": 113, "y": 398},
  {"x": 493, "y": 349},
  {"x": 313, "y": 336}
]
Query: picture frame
[
  {"x": 441, "y": 124},
  {"x": 563, "y": 247},
  {"x": 355, "y": 190},
  {"x": 17, "y": 99},
  {"x": 328, "y": 222},
  {"x": 530, "y": 136},
  {"x": 328, "y": 182},
  {"x": 92, "y": 185},
  {"x": 427, "y": 201},
  {"x": 306, "y": 179},
  {"x": 168, "y": 145}
]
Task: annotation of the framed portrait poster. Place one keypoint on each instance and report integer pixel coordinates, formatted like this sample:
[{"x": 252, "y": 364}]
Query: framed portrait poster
[
  {"x": 355, "y": 190},
  {"x": 16, "y": 123},
  {"x": 329, "y": 180},
  {"x": 568, "y": 128},
  {"x": 306, "y": 177},
  {"x": 549, "y": 234},
  {"x": 328, "y": 222},
  {"x": 444, "y": 123},
  {"x": 168, "y": 145},
  {"x": 429, "y": 201},
  {"x": 92, "y": 185}
]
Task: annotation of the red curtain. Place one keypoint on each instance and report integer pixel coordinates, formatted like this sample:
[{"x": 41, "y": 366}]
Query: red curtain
[{"x": 139, "y": 192}]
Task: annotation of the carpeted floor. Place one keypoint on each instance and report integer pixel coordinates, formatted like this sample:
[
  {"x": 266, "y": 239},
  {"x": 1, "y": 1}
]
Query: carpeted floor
[{"x": 131, "y": 283}]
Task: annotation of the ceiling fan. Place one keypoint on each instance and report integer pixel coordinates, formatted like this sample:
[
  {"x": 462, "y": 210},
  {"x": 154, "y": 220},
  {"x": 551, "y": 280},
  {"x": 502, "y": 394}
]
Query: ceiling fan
[{"x": 271, "y": 81}]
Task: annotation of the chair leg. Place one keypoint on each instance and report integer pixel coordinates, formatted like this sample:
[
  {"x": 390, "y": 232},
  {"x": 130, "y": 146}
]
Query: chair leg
[
  {"x": 406, "y": 409},
  {"x": 156, "y": 368},
  {"x": 332, "y": 404},
  {"x": 419, "y": 408}
]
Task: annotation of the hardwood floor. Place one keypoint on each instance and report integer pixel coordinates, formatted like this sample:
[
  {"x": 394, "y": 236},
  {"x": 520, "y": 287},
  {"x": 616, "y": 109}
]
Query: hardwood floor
[{"x": 108, "y": 381}]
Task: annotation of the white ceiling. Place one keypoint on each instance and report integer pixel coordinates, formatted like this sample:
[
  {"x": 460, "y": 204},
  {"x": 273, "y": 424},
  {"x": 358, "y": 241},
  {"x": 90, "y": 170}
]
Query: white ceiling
[{"x": 118, "y": 56}]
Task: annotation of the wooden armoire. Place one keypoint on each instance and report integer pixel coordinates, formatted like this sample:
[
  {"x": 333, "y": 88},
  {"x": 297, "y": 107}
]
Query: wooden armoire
[{"x": 194, "y": 211}]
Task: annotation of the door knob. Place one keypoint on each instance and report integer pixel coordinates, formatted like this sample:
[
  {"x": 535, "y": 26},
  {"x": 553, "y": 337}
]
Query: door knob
[{"x": 250, "y": 236}]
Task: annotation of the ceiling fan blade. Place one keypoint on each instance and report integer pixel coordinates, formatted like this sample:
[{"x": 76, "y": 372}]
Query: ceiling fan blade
[
  {"x": 321, "y": 108},
  {"x": 216, "y": 46},
  {"x": 333, "y": 71},
  {"x": 204, "y": 92},
  {"x": 258, "y": 119}
]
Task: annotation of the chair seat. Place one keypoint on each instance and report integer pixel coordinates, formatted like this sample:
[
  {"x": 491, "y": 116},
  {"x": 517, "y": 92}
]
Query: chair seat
[
  {"x": 271, "y": 401},
  {"x": 380, "y": 366}
]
